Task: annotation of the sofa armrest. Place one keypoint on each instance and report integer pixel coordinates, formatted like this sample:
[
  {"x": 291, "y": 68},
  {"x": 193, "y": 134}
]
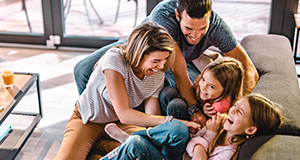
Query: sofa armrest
[{"x": 272, "y": 56}]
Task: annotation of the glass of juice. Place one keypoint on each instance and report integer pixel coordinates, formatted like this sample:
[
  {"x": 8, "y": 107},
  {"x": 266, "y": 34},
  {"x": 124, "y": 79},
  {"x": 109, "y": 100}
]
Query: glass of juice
[{"x": 7, "y": 73}]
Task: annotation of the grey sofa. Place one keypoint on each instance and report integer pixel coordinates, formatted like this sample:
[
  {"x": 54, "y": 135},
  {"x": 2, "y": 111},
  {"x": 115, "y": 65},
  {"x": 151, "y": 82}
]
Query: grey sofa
[{"x": 273, "y": 59}]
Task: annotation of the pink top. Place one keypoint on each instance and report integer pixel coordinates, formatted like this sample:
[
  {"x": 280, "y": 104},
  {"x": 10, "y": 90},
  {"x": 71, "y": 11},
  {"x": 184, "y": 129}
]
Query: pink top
[
  {"x": 204, "y": 137},
  {"x": 223, "y": 105}
]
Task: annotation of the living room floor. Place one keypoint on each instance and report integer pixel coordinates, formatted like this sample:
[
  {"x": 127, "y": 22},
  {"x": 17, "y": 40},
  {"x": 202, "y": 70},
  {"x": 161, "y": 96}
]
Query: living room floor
[{"x": 59, "y": 94}]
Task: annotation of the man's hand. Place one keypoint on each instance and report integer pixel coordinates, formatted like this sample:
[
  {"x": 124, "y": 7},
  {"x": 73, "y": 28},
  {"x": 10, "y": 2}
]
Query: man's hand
[
  {"x": 199, "y": 118},
  {"x": 213, "y": 124}
]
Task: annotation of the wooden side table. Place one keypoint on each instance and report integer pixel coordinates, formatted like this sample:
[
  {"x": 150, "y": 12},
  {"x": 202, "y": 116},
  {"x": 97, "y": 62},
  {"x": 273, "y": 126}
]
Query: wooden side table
[{"x": 11, "y": 145}]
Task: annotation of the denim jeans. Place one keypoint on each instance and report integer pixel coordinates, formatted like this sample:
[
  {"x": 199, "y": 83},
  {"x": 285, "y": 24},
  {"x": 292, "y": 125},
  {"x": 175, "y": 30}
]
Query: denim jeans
[
  {"x": 172, "y": 104},
  {"x": 192, "y": 71},
  {"x": 165, "y": 141},
  {"x": 85, "y": 67},
  {"x": 169, "y": 97}
]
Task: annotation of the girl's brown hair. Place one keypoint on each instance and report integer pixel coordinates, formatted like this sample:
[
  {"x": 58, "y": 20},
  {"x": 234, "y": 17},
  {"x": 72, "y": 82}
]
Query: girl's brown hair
[
  {"x": 265, "y": 117},
  {"x": 147, "y": 38},
  {"x": 229, "y": 72}
]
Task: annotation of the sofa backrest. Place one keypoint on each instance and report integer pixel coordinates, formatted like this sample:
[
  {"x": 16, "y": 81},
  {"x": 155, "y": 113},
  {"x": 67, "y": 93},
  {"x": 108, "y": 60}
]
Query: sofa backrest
[{"x": 273, "y": 58}]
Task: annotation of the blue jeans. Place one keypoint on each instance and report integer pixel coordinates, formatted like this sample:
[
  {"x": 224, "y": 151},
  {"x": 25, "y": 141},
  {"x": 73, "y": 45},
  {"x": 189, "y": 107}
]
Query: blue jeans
[
  {"x": 192, "y": 71},
  {"x": 165, "y": 141},
  {"x": 172, "y": 104},
  {"x": 169, "y": 99},
  {"x": 85, "y": 67}
]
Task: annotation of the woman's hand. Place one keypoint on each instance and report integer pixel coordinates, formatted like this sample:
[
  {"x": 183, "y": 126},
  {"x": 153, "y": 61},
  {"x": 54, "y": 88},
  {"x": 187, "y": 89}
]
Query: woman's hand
[
  {"x": 209, "y": 110},
  {"x": 193, "y": 127},
  {"x": 213, "y": 124}
]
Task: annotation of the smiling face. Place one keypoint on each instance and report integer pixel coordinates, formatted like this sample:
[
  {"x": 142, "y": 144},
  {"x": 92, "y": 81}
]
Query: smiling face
[
  {"x": 151, "y": 63},
  {"x": 193, "y": 29},
  {"x": 210, "y": 87},
  {"x": 239, "y": 121}
]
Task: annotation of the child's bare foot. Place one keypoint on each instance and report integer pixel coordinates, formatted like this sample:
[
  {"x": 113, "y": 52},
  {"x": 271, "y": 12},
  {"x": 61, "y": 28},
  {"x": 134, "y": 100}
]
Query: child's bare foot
[{"x": 115, "y": 132}]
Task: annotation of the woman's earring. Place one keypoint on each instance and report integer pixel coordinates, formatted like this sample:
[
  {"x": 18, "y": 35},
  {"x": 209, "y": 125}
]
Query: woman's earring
[{"x": 247, "y": 136}]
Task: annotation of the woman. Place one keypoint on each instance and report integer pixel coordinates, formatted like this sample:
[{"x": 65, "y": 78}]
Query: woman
[{"x": 125, "y": 77}]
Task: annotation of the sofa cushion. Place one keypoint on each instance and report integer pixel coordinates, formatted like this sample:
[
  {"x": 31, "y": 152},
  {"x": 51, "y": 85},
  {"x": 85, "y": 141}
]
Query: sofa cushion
[{"x": 279, "y": 147}]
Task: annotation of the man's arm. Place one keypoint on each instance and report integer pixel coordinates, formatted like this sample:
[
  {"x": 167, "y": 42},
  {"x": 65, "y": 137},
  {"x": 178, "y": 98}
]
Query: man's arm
[
  {"x": 251, "y": 75},
  {"x": 181, "y": 77},
  {"x": 184, "y": 84}
]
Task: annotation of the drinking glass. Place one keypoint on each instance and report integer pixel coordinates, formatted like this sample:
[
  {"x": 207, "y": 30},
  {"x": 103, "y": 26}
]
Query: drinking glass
[{"x": 7, "y": 73}]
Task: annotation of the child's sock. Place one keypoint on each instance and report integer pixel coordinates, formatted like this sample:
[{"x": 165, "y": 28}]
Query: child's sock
[{"x": 116, "y": 133}]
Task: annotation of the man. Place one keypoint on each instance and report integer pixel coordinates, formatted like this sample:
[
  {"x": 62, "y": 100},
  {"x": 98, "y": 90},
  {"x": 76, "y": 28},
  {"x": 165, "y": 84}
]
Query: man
[{"x": 194, "y": 27}]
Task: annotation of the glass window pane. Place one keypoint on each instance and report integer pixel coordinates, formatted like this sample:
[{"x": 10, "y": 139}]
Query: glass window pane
[
  {"x": 244, "y": 17},
  {"x": 102, "y": 18},
  {"x": 21, "y": 16}
]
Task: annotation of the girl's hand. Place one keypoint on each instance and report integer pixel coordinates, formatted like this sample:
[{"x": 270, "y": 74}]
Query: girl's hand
[
  {"x": 209, "y": 110},
  {"x": 213, "y": 124}
]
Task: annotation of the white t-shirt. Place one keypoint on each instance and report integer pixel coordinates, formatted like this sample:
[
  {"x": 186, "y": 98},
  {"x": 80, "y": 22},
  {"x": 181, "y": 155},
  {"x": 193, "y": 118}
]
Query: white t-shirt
[{"x": 94, "y": 103}]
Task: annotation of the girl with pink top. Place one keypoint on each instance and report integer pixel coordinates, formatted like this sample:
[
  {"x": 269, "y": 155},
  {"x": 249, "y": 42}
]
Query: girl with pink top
[
  {"x": 220, "y": 139},
  {"x": 217, "y": 88}
]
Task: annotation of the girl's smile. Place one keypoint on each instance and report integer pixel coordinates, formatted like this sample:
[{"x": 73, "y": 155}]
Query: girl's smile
[
  {"x": 210, "y": 87},
  {"x": 239, "y": 118}
]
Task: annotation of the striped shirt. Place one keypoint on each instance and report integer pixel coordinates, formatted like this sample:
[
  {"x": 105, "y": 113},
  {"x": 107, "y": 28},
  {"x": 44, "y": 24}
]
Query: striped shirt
[{"x": 94, "y": 103}]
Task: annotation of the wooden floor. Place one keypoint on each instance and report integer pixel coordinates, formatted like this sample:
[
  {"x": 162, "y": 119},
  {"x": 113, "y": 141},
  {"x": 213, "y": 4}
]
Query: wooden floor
[
  {"x": 59, "y": 91},
  {"x": 59, "y": 94}
]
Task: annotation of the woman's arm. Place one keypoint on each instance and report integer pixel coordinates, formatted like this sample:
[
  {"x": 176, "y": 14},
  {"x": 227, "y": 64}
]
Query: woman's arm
[
  {"x": 152, "y": 106},
  {"x": 119, "y": 98}
]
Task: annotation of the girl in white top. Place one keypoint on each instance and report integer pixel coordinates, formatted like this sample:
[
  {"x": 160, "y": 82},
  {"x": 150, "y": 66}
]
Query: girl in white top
[{"x": 125, "y": 77}]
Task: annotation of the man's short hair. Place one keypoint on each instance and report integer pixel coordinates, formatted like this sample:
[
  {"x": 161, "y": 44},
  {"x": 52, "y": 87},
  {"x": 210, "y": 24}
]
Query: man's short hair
[{"x": 194, "y": 8}]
